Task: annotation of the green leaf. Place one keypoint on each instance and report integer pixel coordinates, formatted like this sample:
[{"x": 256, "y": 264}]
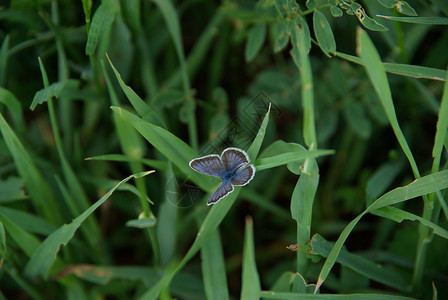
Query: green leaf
[
  {"x": 251, "y": 287},
  {"x": 54, "y": 90},
  {"x": 365, "y": 20},
  {"x": 323, "y": 32},
  {"x": 281, "y": 36},
  {"x": 101, "y": 22},
  {"x": 45, "y": 254},
  {"x": 402, "y": 6},
  {"x": 359, "y": 264},
  {"x": 377, "y": 75},
  {"x": 255, "y": 40},
  {"x": 336, "y": 11},
  {"x": 418, "y": 20}
]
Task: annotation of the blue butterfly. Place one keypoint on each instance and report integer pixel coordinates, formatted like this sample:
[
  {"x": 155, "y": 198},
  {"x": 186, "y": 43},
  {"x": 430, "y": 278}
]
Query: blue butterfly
[{"x": 231, "y": 167}]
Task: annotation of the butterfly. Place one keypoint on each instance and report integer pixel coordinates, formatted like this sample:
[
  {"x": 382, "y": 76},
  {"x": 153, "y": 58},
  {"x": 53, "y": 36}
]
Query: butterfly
[{"x": 232, "y": 167}]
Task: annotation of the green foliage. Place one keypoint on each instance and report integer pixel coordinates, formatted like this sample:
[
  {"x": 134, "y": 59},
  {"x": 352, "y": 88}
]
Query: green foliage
[{"x": 342, "y": 107}]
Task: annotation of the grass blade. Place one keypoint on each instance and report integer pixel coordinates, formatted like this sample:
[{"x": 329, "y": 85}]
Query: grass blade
[
  {"x": 102, "y": 20},
  {"x": 442, "y": 128},
  {"x": 251, "y": 287},
  {"x": 45, "y": 254},
  {"x": 377, "y": 75},
  {"x": 360, "y": 264},
  {"x": 4, "y": 60},
  {"x": 169, "y": 145},
  {"x": 14, "y": 106},
  {"x": 40, "y": 193},
  {"x": 167, "y": 219},
  {"x": 399, "y": 215},
  {"x": 54, "y": 90},
  {"x": 301, "y": 46},
  {"x": 419, "y": 187},
  {"x": 297, "y": 296},
  {"x": 302, "y": 208},
  {"x": 139, "y": 105},
  {"x": 170, "y": 15},
  {"x": 27, "y": 242},
  {"x": 418, "y": 20},
  {"x": 213, "y": 268},
  {"x": 172, "y": 21},
  {"x": 27, "y": 221},
  {"x": 403, "y": 69},
  {"x": 286, "y": 158}
]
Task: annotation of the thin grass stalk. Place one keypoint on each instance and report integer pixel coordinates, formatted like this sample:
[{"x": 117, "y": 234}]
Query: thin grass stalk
[
  {"x": 136, "y": 167},
  {"x": 91, "y": 230},
  {"x": 306, "y": 196},
  {"x": 171, "y": 18}
]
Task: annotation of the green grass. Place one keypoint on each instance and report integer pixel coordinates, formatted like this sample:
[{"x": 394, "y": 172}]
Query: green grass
[{"x": 341, "y": 106}]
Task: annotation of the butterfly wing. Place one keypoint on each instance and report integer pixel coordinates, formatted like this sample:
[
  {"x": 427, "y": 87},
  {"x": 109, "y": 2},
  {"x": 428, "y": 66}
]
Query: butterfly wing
[
  {"x": 232, "y": 158},
  {"x": 243, "y": 175},
  {"x": 223, "y": 190},
  {"x": 208, "y": 165}
]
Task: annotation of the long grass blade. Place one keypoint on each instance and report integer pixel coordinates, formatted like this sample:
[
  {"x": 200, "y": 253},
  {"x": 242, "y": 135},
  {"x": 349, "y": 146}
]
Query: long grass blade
[
  {"x": 442, "y": 128},
  {"x": 403, "y": 69},
  {"x": 46, "y": 253},
  {"x": 40, "y": 193},
  {"x": 102, "y": 20},
  {"x": 213, "y": 268},
  {"x": 251, "y": 286},
  {"x": 177, "y": 151},
  {"x": 360, "y": 264},
  {"x": 418, "y": 20},
  {"x": 419, "y": 187},
  {"x": 377, "y": 75}
]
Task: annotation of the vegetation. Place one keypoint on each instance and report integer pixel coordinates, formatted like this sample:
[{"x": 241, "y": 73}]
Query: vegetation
[{"x": 342, "y": 107}]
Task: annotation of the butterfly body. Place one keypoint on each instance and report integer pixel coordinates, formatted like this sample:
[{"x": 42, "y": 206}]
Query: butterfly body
[{"x": 231, "y": 167}]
